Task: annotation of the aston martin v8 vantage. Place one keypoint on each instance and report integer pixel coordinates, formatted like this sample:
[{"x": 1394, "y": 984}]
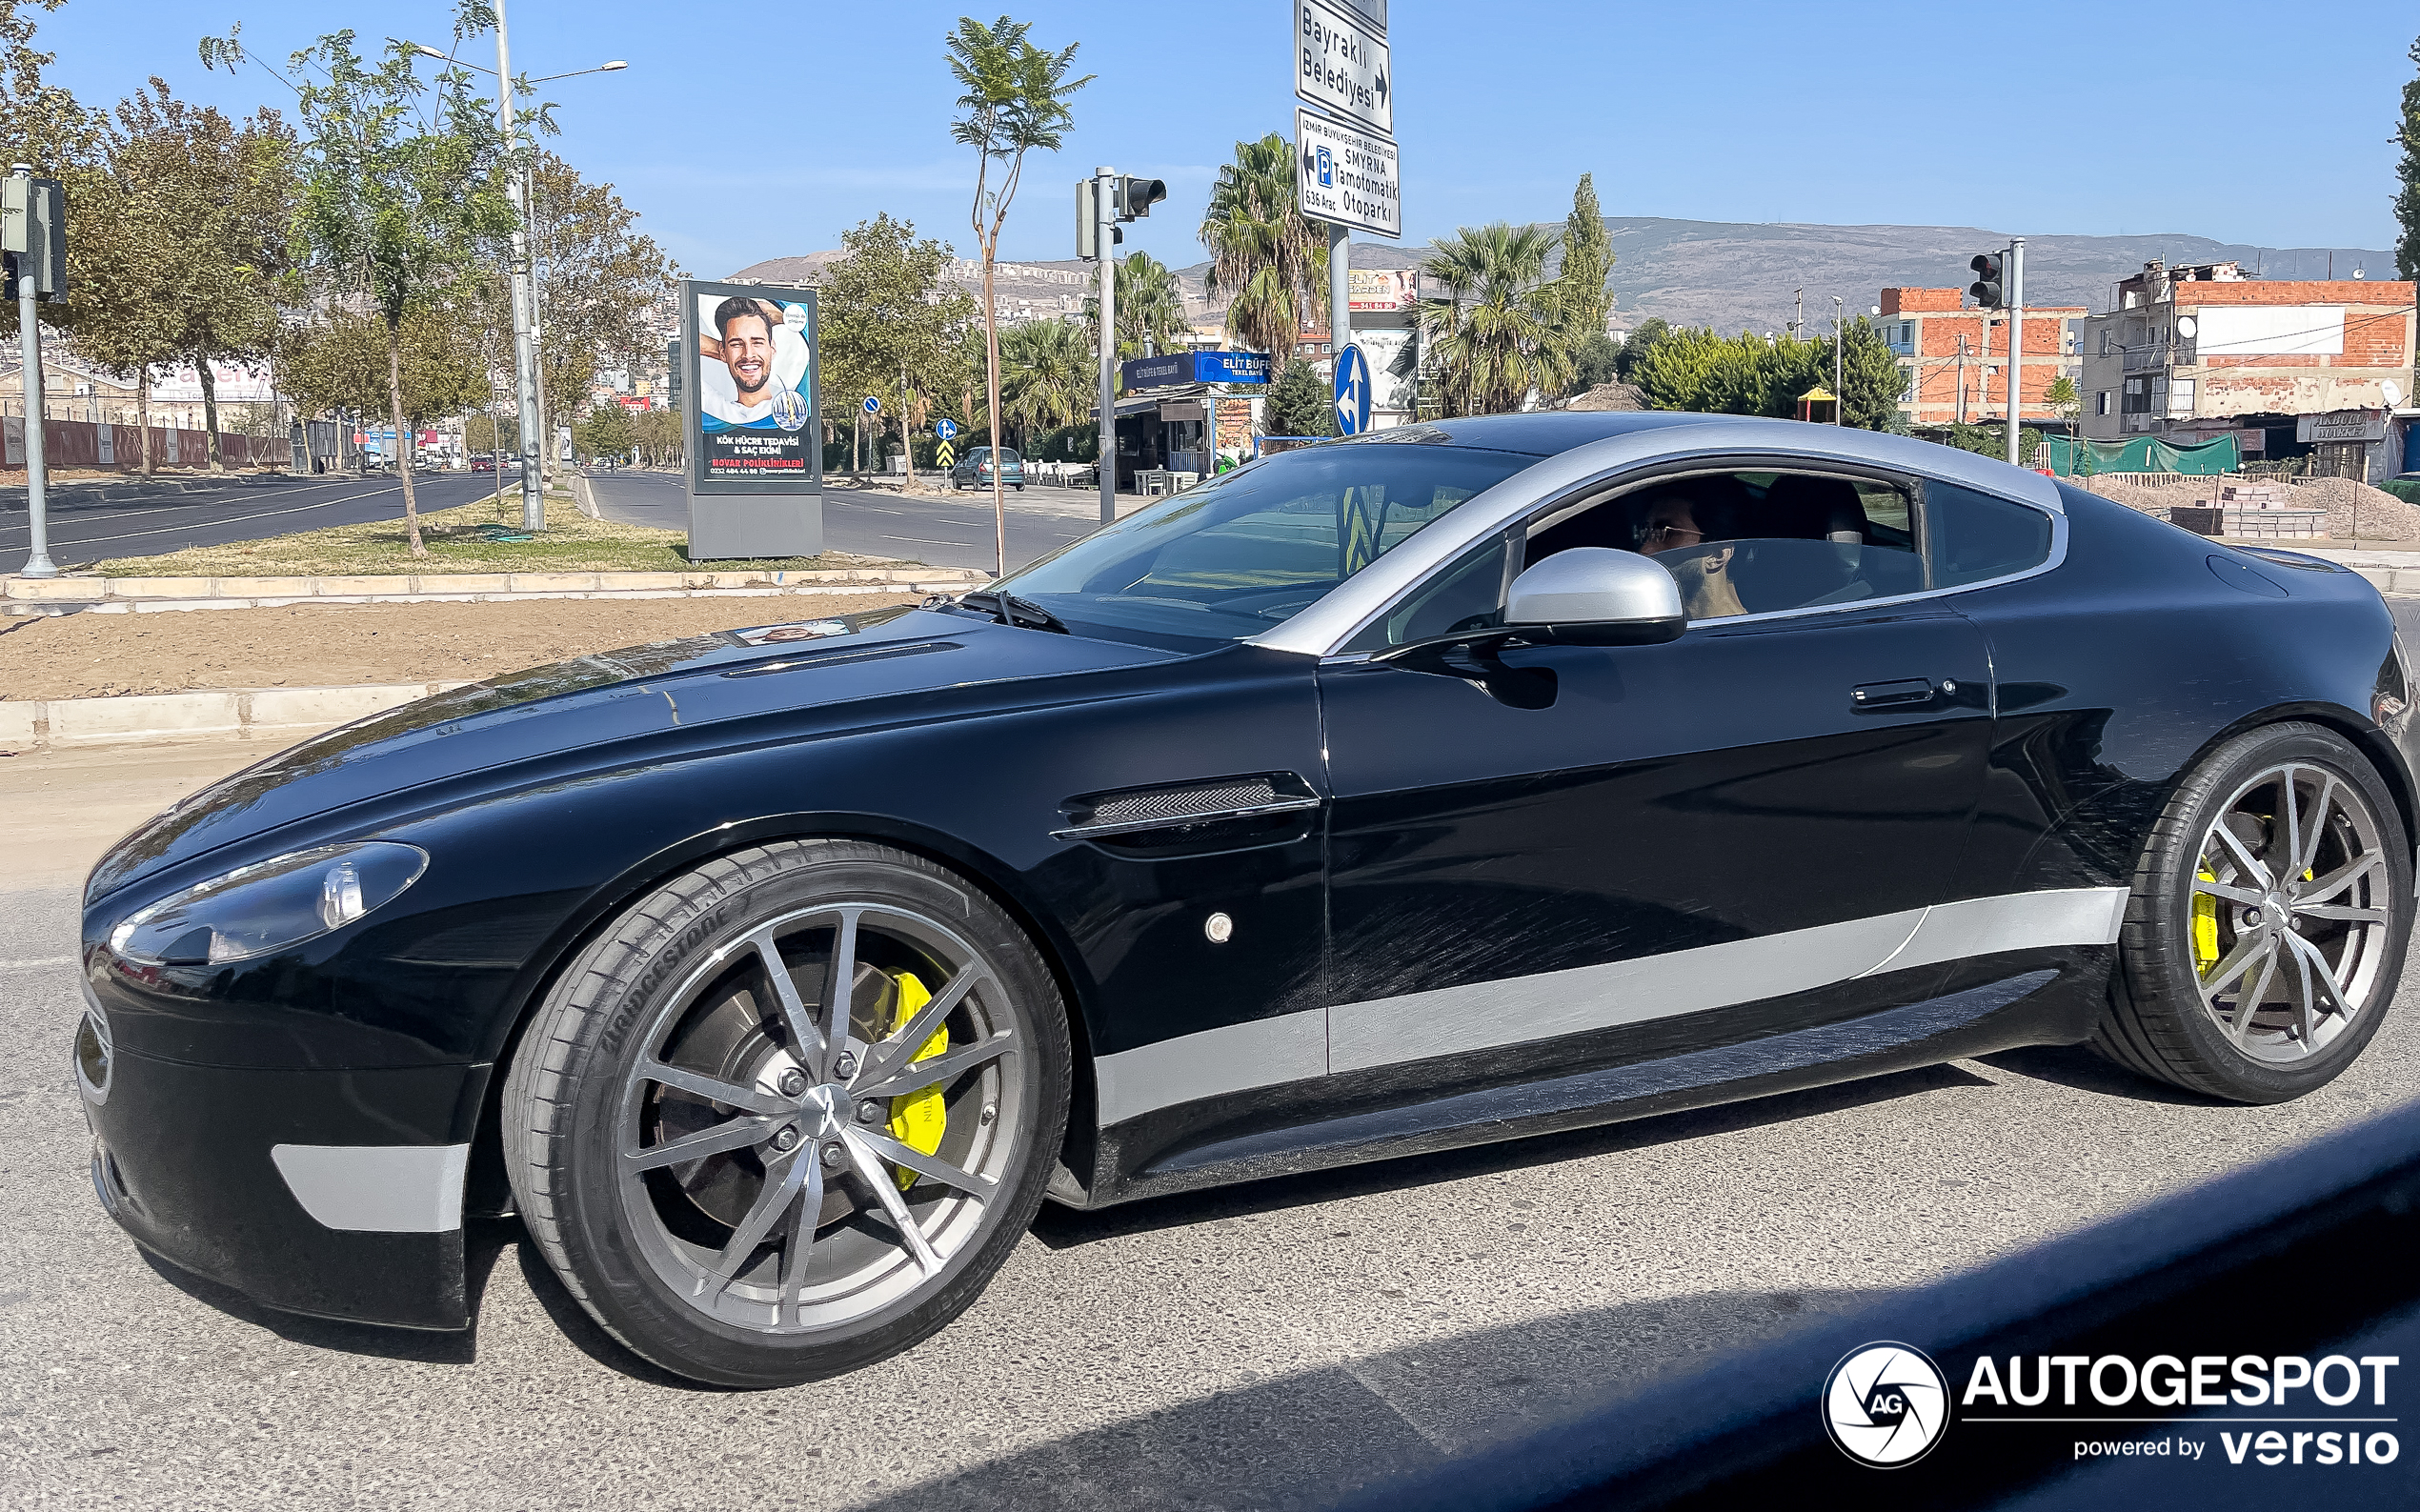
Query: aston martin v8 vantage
[{"x": 1456, "y": 782}]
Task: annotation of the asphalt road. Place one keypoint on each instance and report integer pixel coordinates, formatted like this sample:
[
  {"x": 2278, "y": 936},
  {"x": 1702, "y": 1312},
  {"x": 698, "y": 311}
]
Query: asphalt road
[
  {"x": 952, "y": 532},
  {"x": 86, "y": 527},
  {"x": 1269, "y": 1346}
]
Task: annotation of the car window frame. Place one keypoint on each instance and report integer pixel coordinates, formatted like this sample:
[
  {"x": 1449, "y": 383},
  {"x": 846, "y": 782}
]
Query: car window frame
[{"x": 1571, "y": 500}]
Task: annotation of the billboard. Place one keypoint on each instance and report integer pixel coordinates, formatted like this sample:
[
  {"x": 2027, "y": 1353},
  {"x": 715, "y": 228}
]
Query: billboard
[
  {"x": 1382, "y": 289},
  {"x": 234, "y": 383},
  {"x": 752, "y": 353}
]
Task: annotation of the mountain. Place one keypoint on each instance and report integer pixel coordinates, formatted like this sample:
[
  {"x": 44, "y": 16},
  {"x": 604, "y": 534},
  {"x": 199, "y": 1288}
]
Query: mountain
[{"x": 1731, "y": 274}]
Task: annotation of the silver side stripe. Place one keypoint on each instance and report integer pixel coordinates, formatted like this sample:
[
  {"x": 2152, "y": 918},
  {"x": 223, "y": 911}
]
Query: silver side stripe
[
  {"x": 382, "y": 1188},
  {"x": 1520, "y": 1010}
]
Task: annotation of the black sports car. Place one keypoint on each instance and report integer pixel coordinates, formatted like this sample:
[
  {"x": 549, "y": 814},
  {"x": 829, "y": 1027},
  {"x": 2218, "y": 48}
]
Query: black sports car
[{"x": 1452, "y": 783}]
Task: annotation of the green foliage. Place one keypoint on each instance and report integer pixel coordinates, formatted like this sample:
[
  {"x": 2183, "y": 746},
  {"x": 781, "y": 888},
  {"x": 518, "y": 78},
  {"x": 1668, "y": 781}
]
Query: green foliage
[
  {"x": 1989, "y": 440},
  {"x": 340, "y": 361},
  {"x": 1300, "y": 403},
  {"x": 1151, "y": 308},
  {"x": 1641, "y": 341},
  {"x": 1870, "y": 374},
  {"x": 601, "y": 275},
  {"x": 1587, "y": 262},
  {"x": 1503, "y": 330},
  {"x": 1694, "y": 368},
  {"x": 1047, "y": 375},
  {"x": 2063, "y": 401},
  {"x": 605, "y": 431},
  {"x": 1596, "y": 361},
  {"x": 890, "y": 316},
  {"x": 1266, "y": 256},
  {"x": 2408, "y": 173}
]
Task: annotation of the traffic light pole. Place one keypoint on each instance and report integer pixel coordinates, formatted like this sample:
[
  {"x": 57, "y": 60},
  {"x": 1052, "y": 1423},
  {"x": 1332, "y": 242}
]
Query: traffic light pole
[
  {"x": 1104, "y": 230},
  {"x": 2016, "y": 347},
  {"x": 37, "y": 476}
]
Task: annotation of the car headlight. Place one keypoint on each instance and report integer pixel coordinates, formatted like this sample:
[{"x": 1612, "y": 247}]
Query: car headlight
[{"x": 269, "y": 905}]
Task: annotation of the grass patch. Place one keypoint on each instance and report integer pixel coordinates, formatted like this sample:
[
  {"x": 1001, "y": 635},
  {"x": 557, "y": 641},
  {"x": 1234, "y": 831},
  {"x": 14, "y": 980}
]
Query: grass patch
[{"x": 460, "y": 540}]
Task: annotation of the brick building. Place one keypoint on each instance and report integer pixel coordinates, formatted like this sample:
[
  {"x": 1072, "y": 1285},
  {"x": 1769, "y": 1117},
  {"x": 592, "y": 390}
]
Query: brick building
[
  {"x": 2290, "y": 366},
  {"x": 1956, "y": 358}
]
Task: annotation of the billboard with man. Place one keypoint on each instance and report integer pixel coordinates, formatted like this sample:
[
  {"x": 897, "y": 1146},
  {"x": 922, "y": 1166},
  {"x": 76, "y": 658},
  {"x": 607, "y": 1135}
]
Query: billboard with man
[{"x": 751, "y": 351}]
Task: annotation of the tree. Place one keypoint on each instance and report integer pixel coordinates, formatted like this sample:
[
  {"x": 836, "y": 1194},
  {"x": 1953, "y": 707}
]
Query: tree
[
  {"x": 660, "y": 435},
  {"x": 1266, "y": 256},
  {"x": 194, "y": 210},
  {"x": 2065, "y": 402},
  {"x": 397, "y": 205},
  {"x": 1046, "y": 375},
  {"x": 1596, "y": 361},
  {"x": 891, "y": 320},
  {"x": 1015, "y": 100},
  {"x": 601, "y": 276},
  {"x": 1151, "y": 308},
  {"x": 344, "y": 362},
  {"x": 1503, "y": 330},
  {"x": 1300, "y": 403},
  {"x": 2408, "y": 200},
  {"x": 605, "y": 430},
  {"x": 1871, "y": 378},
  {"x": 1638, "y": 343},
  {"x": 1587, "y": 262}
]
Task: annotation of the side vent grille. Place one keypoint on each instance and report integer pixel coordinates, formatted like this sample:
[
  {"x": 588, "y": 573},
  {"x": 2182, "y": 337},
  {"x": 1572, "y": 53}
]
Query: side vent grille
[{"x": 1213, "y": 800}]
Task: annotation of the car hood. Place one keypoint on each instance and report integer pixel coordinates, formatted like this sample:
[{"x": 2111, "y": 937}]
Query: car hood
[{"x": 586, "y": 707}]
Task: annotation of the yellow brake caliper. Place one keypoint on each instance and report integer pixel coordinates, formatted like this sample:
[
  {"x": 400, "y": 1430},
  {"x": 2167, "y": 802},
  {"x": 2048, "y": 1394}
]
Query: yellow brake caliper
[
  {"x": 917, "y": 1118},
  {"x": 2205, "y": 929}
]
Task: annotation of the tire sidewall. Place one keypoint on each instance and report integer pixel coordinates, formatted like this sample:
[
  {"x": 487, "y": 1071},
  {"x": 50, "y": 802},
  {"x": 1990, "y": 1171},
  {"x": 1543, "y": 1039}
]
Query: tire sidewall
[
  {"x": 2169, "y": 972},
  {"x": 622, "y": 1284}
]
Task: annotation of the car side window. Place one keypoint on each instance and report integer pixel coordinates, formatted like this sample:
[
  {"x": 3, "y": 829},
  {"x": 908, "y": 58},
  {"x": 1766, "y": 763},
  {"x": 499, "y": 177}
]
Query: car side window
[
  {"x": 1758, "y": 541},
  {"x": 1467, "y": 594},
  {"x": 1972, "y": 537}
]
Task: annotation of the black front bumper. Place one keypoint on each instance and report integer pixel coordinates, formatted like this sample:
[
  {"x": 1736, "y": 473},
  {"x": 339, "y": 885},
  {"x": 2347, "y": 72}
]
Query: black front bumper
[{"x": 182, "y": 1161}]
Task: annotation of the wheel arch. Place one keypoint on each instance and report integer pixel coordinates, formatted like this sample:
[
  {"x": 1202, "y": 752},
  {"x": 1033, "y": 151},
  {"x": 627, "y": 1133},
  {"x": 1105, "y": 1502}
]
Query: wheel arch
[{"x": 486, "y": 1189}]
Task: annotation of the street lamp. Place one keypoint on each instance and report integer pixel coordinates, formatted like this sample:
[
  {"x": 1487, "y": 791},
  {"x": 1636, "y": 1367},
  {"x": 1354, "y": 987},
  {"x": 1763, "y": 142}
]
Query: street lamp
[
  {"x": 1840, "y": 328},
  {"x": 525, "y": 371}
]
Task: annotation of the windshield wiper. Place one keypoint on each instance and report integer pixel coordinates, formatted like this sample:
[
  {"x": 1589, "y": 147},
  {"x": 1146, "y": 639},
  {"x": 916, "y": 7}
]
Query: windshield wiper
[{"x": 1011, "y": 610}]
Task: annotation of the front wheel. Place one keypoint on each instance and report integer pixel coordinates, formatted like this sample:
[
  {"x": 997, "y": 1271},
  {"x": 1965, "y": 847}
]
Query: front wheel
[
  {"x": 790, "y": 1114},
  {"x": 2269, "y": 917}
]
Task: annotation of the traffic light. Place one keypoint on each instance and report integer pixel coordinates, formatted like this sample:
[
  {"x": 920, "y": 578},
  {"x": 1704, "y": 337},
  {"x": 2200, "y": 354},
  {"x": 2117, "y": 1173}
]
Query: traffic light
[
  {"x": 1137, "y": 195},
  {"x": 1986, "y": 285},
  {"x": 1088, "y": 218},
  {"x": 33, "y": 227}
]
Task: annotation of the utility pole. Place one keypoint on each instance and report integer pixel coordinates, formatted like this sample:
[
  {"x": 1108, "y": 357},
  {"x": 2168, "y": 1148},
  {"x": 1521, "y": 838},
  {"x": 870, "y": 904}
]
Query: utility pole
[
  {"x": 38, "y": 475},
  {"x": 1840, "y": 329},
  {"x": 1105, "y": 230},
  {"x": 2016, "y": 346},
  {"x": 1798, "y": 320},
  {"x": 524, "y": 313},
  {"x": 1962, "y": 379}
]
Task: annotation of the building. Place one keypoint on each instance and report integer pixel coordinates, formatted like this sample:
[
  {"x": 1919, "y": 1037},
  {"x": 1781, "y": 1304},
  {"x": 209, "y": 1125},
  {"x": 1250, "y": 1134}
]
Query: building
[
  {"x": 2288, "y": 367},
  {"x": 1954, "y": 356}
]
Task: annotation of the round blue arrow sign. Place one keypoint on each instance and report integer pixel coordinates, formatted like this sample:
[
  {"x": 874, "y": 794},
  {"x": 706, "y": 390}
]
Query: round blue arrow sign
[
  {"x": 873, "y": 405},
  {"x": 945, "y": 428},
  {"x": 1352, "y": 392}
]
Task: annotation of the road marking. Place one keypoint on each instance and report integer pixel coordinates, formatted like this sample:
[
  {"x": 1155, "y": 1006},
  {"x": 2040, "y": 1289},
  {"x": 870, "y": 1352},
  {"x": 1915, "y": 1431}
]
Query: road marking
[
  {"x": 926, "y": 540},
  {"x": 232, "y": 519},
  {"x": 29, "y": 965}
]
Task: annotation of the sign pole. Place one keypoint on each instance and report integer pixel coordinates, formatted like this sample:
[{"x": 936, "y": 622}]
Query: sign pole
[
  {"x": 1339, "y": 293},
  {"x": 37, "y": 476},
  {"x": 2016, "y": 346},
  {"x": 1105, "y": 219}
]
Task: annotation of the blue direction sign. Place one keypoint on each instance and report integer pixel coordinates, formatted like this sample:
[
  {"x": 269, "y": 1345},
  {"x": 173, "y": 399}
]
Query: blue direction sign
[
  {"x": 1352, "y": 392},
  {"x": 873, "y": 405},
  {"x": 945, "y": 428}
]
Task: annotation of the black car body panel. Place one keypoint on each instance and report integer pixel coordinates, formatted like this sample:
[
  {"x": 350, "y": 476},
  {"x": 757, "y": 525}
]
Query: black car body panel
[{"x": 1460, "y": 846}]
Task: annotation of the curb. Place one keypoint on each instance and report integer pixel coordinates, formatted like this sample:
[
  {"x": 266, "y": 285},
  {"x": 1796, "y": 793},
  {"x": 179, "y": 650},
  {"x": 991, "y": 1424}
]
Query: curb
[
  {"x": 282, "y": 715},
  {"x": 36, "y": 596}
]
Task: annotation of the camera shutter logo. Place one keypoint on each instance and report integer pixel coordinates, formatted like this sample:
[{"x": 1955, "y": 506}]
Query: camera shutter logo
[{"x": 1886, "y": 1404}]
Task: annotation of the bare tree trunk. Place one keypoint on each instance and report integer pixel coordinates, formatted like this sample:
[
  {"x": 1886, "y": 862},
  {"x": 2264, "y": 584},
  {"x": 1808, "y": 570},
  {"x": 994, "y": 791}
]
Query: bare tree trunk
[
  {"x": 143, "y": 415},
  {"x": 403, "y": 469},
  {"x": 992, "y": 388},
  {"x": 210, "y": 411}
]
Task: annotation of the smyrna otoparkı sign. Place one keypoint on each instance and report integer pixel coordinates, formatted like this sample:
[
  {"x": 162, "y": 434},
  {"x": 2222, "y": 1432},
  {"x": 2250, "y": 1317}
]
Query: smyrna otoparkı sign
[
  {"x": 755, "y": 462},
  {"x": 1347, "y": 176}
]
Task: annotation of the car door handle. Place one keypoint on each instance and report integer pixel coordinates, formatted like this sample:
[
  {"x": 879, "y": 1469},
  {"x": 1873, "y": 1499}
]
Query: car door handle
[{"x": 1885, "y": 694}]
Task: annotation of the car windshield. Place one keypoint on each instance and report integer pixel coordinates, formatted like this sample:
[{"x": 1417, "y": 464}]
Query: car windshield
[{"x": 1231, "y": 559}]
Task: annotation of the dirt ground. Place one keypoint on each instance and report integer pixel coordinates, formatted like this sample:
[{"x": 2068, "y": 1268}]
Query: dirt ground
[{"x": 96, "y": 656}]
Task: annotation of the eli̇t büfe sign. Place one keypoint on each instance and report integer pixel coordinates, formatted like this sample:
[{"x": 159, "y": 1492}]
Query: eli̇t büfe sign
[{"x": 1194, "y": 366}]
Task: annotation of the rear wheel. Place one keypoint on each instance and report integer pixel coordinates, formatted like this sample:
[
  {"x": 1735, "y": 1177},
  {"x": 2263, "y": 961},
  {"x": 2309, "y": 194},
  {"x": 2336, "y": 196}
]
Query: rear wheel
[
  {"x": 791, "y": 1113},
  {"x": 2270, "y": 914}
]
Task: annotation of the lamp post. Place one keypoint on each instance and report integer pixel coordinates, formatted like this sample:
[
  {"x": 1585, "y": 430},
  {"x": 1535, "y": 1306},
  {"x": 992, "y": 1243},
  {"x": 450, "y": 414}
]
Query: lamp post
[
  {"x": 524, "y": 295},
  {"x": 1840, "y": 328}
]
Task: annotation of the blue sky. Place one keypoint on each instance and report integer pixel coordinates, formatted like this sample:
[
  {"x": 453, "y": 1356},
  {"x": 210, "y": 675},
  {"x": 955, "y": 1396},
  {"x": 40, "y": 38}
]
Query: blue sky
[{"x": 741, "y": 133}]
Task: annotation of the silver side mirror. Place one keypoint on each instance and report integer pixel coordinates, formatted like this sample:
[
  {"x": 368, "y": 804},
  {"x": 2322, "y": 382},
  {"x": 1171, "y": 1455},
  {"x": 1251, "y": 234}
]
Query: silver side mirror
[{"x": 1591, "y": 595}]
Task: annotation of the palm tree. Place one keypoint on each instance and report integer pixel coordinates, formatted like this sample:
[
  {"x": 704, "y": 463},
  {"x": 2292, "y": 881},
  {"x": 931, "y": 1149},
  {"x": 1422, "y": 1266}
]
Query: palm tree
[
  {"x": 1501, "y": 333},
  {"x": 1046, "y": 375},
  {"x": 1151, "y": 308},
  {"x": 1266, "y": 256}
]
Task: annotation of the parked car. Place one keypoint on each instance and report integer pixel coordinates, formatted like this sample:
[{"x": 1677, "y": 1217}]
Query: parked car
[
  {"x": 1451, "y": 784},
  {"x": 482, "y": 462},
  {"x": 973, "y": 470}
]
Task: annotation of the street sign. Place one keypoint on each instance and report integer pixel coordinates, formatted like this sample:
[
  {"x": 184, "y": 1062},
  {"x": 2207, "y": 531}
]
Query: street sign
[
  {"x": 1347, "y": 176},
  {"x": 873, "y": 405},
  {"x": 1194, "y": 366},
  {"x": 945, "y": 455},
  {"x": 1340, "y": 65},
  {"x": 945, "y": 428},
  {"x": 1352, "y": 392}
]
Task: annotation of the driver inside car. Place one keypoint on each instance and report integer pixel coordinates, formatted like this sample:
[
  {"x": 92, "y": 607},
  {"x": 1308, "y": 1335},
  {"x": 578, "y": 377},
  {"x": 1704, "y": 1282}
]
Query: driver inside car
[{"x": 1688, "y": 527}]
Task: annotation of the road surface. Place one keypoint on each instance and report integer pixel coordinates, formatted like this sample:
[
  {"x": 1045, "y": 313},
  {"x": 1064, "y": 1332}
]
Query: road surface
[{"x": 86, "y": 527}]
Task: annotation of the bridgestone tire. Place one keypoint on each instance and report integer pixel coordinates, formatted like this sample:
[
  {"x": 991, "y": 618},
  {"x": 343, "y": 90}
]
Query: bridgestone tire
[
  {"x": 560, "y": 1120},
  {"x": 2155, "y": 1022}
]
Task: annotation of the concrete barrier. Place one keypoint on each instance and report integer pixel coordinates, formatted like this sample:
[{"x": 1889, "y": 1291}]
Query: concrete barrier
[{"x": 282, "y": 715}]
